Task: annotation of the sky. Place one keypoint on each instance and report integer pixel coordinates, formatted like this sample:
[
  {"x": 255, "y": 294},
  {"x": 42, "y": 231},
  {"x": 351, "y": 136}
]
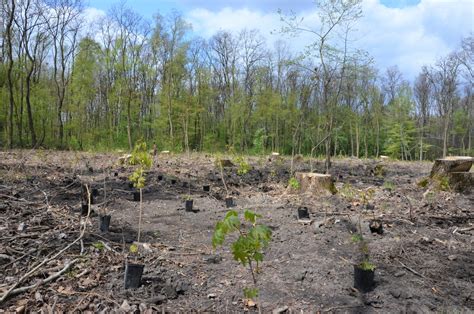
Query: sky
[{"x": 406, "y": 33}]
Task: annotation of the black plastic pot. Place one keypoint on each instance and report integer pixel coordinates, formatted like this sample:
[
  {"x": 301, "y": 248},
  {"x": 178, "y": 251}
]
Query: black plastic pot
[
  {"x": 229, "y": 202},
  {"x": 115, "y": 174},
  {"x": 160, "y": 177},
  {"x": 189, "y": 205},
  {"x": 303, "y": 213},
  {"x": 133, "y": 275},
  {"x": 363, "y": 279},
  {"x": 206, "y": 188},
  {"x": 104, "y": 223},
  {"x": 370, "y": 206},
  {"x": 84, "y": 209},
  {"x": 376, "y": 226},
  {"x": 136, "y": 196}
]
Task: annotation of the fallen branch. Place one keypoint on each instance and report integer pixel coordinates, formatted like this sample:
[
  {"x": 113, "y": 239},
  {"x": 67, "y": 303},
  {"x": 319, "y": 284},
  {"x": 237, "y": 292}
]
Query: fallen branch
[
  {"x": 44, "y": 281},
  {"x": 412, "y": 270},
  {"x": 31, "y": 272},
  {"x": 331, "y": 309}
]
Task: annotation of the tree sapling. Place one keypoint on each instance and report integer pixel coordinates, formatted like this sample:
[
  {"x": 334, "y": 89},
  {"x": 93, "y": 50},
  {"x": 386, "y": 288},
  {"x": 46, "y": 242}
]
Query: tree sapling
[
  {"x": 141, "y": 158},
  {"x": 364, "y": 270},
  {"x": 247, "y": 249}
]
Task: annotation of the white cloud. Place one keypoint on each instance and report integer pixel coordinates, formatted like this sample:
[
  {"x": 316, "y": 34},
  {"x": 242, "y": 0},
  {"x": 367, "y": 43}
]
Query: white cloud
[
  {"x": 207, "y": 23},
  {"x": 408, "y": 37},
  {"x": 92, "y": 16}
]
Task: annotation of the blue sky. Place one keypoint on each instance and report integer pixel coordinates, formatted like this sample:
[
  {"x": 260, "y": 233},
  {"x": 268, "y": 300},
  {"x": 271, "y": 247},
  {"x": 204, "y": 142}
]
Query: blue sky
[{"x": 407, "y": 33}]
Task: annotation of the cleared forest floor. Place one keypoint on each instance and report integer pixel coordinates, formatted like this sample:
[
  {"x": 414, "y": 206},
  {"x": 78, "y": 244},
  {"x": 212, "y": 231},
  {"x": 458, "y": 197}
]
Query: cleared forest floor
[{"x": 424, "y": 259}]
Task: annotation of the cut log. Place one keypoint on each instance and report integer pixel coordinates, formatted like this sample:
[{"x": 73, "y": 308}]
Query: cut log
[
  {"x": 123, "y": 160},
  {"x": 226, "y": 163},
  {"x": 451, "y": 164},
  {"x": 274, "y": 156},
  {"x": 315, "y": 183},
  {"x": 462, "y": 182}
]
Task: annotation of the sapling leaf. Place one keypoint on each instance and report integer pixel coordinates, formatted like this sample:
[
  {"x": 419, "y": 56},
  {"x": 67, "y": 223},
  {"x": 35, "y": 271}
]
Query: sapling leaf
[
  {"x": 219, "y": 235},
  {"x": 251, "y": 217},
  {"x": 262, "y": 234},
  {"x": 247, "y": 248},
  {"x": 133, "y": 248},
  {"x": 250, "y": 293},
  {"x": 258, "y": 257}
]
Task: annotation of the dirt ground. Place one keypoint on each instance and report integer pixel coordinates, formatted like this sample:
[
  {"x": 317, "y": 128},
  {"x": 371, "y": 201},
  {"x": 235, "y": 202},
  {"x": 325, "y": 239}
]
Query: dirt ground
[{"x": 424, "y": 259}]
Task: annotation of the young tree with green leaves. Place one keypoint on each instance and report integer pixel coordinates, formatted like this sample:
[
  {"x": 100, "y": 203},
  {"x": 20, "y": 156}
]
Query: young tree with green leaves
[
  {"x": 248, "y": 248},
  {"x": 142, "y": 159}
]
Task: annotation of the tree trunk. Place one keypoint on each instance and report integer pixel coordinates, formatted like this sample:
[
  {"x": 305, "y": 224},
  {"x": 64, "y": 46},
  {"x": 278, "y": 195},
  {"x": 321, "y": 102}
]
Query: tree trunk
[
  {"x": 9, "y": 72},
  {"x": 129, "y": 121}
]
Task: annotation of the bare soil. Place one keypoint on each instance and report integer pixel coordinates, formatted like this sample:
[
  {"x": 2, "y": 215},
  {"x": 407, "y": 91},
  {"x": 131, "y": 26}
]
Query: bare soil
[{"x": 424, "y": 259}]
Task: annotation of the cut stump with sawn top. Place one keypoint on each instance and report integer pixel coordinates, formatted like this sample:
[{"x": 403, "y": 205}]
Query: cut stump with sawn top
[
  {"x": 315, "y": 183},
  {"x": 450, "y": 164},
  {"x": 456, "y": 170}
]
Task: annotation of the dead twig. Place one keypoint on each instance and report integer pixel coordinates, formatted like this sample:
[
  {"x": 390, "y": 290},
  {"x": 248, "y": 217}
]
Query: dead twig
[
  {"x": 412, "y": 270},
  {"x": 44, "y": 281},
  {"x": 330, "y": 309},
  {"x": 46, "y": 260}
]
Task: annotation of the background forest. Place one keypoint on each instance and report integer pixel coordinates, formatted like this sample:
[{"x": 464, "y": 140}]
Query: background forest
[{"x": 69, "y": 84}]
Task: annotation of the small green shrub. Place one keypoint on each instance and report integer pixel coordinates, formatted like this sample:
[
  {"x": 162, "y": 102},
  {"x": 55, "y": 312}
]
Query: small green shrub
[
  {"x": 248, "y": 248},
  {"x": 389, "y": 186},
  {"x": 443, "y": 183},
  {"x": 347, "y": 191},
  {"x": 243, "y": 166},
  {"x": 366, "y": 265},
  {"x": 294, "y": 184},
  {"x": 423, "y": 183}
]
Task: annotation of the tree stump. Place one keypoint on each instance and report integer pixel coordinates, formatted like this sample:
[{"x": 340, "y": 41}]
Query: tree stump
[
  {"x": 226, "y": 163},
  {"x": 462, "y": 182},
  {"x": 455, "y": 170},
  {"x": 451, "y": 164},
  {"x": 274, "y": 156},
  {"x": 315, "y": 183}
]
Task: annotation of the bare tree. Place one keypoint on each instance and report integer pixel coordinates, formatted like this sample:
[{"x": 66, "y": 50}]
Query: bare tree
[
  {"x": 391, "y": 83},
  {"x": 10, "y": 13},
  {"x": 64, "y": 20},
  {"x": 422, "y": 93},
  {"x": 444, "y": 81},
  {"x": 334, "y": 16},
  {"x": 31, "y": 25}
]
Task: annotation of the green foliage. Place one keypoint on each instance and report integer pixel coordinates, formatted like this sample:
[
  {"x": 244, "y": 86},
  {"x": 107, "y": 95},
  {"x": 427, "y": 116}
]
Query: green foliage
[
  {"x": 356, "y": 237},
  {"x": 442, "y": 183},
  {"x": 401, "y": 126},
  {"x": 389, "y": 186},
  {"x": 294, "y": 183},
  {"x": 366, "y": 196},
  {"x": 98, "y": 245},
  {"x": 249, "y": 245},
  {"x": 259, "y": 141},
  {"x": 347, "y": 191},
  {"x": 141, "y": 158},
  {"x": 366, "y": 265},
  {"x": 423, "y": 183},
  {"x": 250, "y": 293},
  {"x": 133, "y": 248},
  {"x": 243, "y": 166}
]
